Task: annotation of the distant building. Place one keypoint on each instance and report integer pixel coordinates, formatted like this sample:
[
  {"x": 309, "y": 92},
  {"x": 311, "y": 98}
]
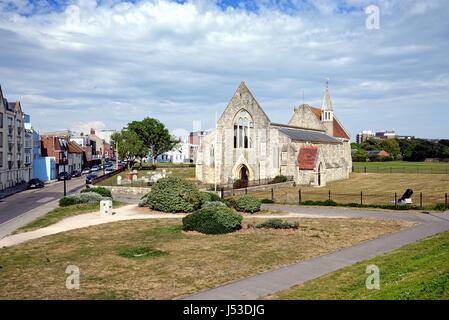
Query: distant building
[
  {"x": 378, "y": 153},
  {"x": 194, "y": 144},
  {"x": 52, "y": 146},
  {"x": 13, "y": 167},
  {"x": 389, "y": 134},
  {"x": 363, "y": 136},
  {"x": 179, "y": 154}
]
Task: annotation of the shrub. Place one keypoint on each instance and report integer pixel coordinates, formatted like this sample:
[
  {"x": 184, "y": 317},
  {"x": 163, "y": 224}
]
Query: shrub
[
  {"x": 230, "y": 203},
  {"x": 439, "y": 207},
  {"x": 69, "y": 201},
  {"x": 266, "y": 201},
  {"x": 279, "y": 179},
  {"x": 238, "y": 184},
  {"x": 209, "y": 196},
  {"x": 277, "y": 224},
  {"x": 91, "y": 197},
  {"x": 248, "y": 204},
  {"x": 212, "y": 220},
  {"x": 100, "y": 190},
  {"x": 213, "y": 204},
  {"x": 174, "y": 194}
]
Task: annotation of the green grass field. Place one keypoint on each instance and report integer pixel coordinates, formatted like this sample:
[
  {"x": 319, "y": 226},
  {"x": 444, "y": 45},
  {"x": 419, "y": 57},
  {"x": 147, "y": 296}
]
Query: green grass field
[
  {"x": 402, "y": 167},
  {"x": 416, "y": 271}
]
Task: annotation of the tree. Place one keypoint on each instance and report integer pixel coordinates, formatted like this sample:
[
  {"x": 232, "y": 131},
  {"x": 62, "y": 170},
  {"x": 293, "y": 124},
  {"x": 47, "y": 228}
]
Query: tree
[
  {"x": 360, "y": 156},
  {"x": 154, "y": 136},
  {"x": 129, "y": 145}
]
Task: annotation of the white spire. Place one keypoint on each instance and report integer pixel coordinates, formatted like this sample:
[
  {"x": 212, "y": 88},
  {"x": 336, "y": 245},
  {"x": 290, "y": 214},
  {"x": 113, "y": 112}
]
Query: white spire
[{"x": 327, "y": 103}]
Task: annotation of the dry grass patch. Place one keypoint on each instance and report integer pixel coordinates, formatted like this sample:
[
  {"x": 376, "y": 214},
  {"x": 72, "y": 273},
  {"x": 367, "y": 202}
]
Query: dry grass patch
[
  {"x": 377, "y": 189},
  {"x": 191, "y": 261}
]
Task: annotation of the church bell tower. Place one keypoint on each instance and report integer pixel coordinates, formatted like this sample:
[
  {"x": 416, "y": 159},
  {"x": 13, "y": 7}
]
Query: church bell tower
[{"x": 327, "y": 113}]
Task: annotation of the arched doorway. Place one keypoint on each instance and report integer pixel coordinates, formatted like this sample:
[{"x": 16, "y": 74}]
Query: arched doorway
[
  {"x": 244, "y": 174},
  {"x": 319, "y": 174}
]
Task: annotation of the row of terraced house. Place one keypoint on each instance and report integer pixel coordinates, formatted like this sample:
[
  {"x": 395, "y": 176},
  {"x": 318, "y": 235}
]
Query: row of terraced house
[{"x": 25, "y": 154}]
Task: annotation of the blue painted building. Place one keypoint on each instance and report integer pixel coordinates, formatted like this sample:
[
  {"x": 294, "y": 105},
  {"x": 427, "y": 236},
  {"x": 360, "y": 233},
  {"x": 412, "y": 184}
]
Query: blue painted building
[{"x": 44, "y": 168}]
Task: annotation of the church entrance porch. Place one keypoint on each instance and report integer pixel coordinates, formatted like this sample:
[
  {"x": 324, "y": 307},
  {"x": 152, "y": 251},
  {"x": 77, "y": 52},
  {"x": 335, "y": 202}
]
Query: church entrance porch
[{"x": 244, "y": 174}]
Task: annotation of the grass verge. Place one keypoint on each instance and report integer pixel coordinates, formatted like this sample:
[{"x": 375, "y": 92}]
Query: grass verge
[
  {"x": 416, "y": 271},
  {"x": 60, "y": 213},
  {"x": 192, "y": 261}
]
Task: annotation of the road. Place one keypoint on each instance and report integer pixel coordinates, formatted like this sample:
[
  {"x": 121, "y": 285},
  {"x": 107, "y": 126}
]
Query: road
[{"x": 19, "y": 203}]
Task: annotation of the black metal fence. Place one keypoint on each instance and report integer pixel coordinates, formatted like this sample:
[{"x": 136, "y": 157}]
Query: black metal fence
[
  {"x": 288, "y": 196},
  {"x": 108, "y": 175},
  {"x": 251, "y": 183},
  {"x": 417, "y": 170}
]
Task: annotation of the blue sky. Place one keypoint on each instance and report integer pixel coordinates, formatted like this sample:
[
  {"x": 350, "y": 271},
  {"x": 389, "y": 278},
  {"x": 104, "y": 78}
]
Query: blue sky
[{"x": 81, "y": 63}]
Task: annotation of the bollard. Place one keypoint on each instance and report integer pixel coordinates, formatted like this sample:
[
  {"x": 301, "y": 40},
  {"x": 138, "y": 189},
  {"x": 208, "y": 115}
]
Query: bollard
[
  {"x": 272, "y": 194},
  {"x": 361, "y": 198},
  {"x": 299, "y": 196},
  {"x": 106, "y": 207},
  {"x": 395, "y": 200}
]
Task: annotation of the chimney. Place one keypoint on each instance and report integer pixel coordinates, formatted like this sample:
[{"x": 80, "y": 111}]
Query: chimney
[{"x": 92, "y": 131}]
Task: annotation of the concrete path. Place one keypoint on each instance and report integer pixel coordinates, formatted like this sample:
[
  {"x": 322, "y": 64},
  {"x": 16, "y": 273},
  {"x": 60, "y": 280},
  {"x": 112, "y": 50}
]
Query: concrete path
[{"x": 270, "y": 282}]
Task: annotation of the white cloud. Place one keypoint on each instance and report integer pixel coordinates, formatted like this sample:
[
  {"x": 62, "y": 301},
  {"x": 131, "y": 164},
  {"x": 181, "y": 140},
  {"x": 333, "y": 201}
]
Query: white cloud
[{"x": 117, "y": 62}]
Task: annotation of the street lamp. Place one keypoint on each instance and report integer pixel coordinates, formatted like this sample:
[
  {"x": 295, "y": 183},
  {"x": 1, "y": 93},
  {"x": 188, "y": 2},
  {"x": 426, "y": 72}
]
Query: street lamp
[{"x": 64, "y": 159}]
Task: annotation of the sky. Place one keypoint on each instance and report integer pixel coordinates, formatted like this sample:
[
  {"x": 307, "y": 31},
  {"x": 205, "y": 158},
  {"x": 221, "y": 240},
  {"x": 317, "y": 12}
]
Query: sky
[{"x": 76, "y": 64}]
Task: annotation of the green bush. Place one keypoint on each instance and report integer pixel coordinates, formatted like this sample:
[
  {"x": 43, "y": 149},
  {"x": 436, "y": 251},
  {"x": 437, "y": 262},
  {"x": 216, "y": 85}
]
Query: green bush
[
  {"x": 100, "y": 190},
  {"x": 212, "y": 220},
  {"x": 174, "y": 194},
  {"x": 266, "y": 201},
  {"x": 239, "y": 184},
  {"x": 230, "y": 203},
  {"x": 247, "y": 204},
  {"x": 279, "y": 179},
  {"x": 439, "y": 207},
  {"x": 91, "y": 197},
  {"x": 209, "y": 196},
  {"x": 213, "y": 204},
  {"x": 277, "y": 224},
  {"x": 68, "y": 201}
]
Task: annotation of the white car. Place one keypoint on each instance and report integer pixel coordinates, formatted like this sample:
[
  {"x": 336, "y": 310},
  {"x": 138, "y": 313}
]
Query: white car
[
  {"x": 85, "y": 171},
  {"x": 108, "y": 170}
]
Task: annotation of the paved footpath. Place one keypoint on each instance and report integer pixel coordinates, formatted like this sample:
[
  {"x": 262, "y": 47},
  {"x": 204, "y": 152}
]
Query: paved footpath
[{"x": 270, "y": 282}]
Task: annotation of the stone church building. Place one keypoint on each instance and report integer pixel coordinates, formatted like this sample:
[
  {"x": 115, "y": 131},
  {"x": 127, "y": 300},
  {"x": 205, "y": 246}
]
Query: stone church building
[{"x": 313, "y": 147}]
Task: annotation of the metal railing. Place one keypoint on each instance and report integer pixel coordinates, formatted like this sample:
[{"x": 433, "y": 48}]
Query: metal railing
[{"x": 391, "y": 170}]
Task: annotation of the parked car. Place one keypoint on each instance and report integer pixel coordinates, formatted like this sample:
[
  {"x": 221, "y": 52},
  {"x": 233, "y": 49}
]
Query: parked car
[
  {"x": 76, "y": 173},
  {"x": 90, "y": 178},
  {"x": 35, "y": 183},
  {"x": 108, "y": 170},
  {"x": 64, "y": 176},
  {"x": 86, "y": 171},
  {"x": 95, "y": 168}
]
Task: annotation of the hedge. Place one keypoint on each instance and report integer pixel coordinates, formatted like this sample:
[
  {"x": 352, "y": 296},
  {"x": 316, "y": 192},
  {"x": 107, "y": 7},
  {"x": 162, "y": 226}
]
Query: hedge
[
  {"x": 276, "y": 224},
  {"x": 100, "y": 190}
]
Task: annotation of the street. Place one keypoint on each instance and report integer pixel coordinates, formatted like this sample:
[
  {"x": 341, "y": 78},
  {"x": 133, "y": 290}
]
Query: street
[{"x": 19, "y": 203}]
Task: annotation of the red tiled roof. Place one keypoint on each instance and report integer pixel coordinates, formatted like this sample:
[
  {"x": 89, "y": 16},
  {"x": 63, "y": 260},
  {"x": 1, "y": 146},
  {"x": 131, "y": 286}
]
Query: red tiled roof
[
  {"x": 307, "y": 158},
  {"x": 74, "y": 147},
  {"x": 339, "y": 132}
]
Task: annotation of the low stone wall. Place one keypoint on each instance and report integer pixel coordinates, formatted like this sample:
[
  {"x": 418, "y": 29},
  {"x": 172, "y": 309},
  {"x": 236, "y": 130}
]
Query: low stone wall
[
  {"x": 265, "y": 187},
  {"x": 137, "y": 191}
]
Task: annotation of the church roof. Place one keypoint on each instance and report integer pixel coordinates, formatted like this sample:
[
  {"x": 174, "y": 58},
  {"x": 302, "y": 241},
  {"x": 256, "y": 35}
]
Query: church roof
[
  {"x": 307, "y": 158},
  {"x": 307, "y": 135},
  {"x": 339, "y": 132}
]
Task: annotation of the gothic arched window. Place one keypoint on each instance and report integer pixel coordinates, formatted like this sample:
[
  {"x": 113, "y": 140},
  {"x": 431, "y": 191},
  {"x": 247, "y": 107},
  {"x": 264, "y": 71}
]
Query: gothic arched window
[{"x": 243, "y": 127}]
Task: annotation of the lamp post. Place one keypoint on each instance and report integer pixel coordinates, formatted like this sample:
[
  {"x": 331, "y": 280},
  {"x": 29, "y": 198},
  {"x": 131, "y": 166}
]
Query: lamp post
[{"x": 64, "y": 159}]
